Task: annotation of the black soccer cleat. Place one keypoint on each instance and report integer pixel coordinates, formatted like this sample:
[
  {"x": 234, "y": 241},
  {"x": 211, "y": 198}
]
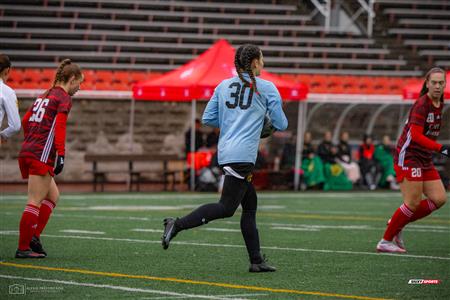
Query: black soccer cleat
[
  {"x": 169, "y": 232},
  {"x": 28, "y": 254},
  {"x": 261, "y": 267},
  {"x": 36, "y": 246}
]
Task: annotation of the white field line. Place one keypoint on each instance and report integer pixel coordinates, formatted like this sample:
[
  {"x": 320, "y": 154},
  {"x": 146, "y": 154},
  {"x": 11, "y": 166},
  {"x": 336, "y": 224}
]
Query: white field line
[
  {"x": 409, "y": 228},
  {"x": 295, "y": 228},
  {"x": 221, "y": 229},
  {"x": 147, "y": 230},
  {"x": 160, "y": 298},
  {"x": 320, "y": 227},
  {"x": 242, "y": 295},
  {"x": 424, "y": 228},
  {"x": 105, "y": 217},
  {"x": 357, "y": 196},
  {"x": 236, "y": 246},
  {"x": 116, "y": 287},
  {"x": 59, "y": 215},
  {"x": 81, "y": 231},
  {"x": 133, "y": 207},
  {"x": 300, "y": 227},
  {"x": 150, "y": 207}
]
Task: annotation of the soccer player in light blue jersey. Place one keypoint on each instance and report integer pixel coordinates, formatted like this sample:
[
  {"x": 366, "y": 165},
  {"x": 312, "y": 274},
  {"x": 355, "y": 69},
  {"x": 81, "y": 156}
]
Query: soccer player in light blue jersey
[{"x": 238, "y": 108}]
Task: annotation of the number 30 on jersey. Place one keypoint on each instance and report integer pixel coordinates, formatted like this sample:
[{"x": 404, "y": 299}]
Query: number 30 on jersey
[
  {"x": 238, "y": 96},
  {"x": 39, "y": 110}
]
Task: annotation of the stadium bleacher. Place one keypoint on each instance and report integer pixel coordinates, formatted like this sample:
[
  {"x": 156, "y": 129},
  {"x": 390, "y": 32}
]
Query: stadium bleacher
[
  {"x": 159, "y": 37},
  {"x": 118, "y": 42},
  {"x": 422, "y": 26}
]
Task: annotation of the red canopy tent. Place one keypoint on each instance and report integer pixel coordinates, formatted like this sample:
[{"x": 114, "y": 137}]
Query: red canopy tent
[
  {"x": 412, "y": 91},
  {"x": 197, "y": 80}
]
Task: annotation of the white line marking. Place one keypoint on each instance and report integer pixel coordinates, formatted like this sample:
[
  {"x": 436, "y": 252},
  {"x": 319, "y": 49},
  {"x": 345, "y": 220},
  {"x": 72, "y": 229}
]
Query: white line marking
[
  {"x": 151, "y": 207},
  {"x": 116, "y": 287},
  {"x": 429, "y": 226},
  {"x": 104, "y": 217},
  {"x": 147, "y": 230},
  {"x": 242, "y": 295},
  {"x": 356, "y": 196},
  {"x": 81, "y": 231},
  {"x": 270, "y": 207},
  {"x": 9, "y": 232},
  {"x": 221, "y": 229},
  {"x": 135, "y": 207},
  {"x": 237, "y": 246},
  {"x": 409, "y": 228},
  {"x": 161, "y": 298},
  {"x": 295, "y": 228}
]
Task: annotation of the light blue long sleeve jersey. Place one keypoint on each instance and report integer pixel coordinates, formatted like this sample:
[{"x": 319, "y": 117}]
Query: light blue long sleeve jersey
[{"x": 239, "y": 113}]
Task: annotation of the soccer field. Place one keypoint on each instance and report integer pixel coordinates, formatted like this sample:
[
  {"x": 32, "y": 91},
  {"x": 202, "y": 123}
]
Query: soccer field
[{"x": 107, "y": 246}]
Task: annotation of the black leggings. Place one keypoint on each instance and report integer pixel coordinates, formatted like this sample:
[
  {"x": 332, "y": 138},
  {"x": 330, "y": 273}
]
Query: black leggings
[{"x": 235, "y": 191}]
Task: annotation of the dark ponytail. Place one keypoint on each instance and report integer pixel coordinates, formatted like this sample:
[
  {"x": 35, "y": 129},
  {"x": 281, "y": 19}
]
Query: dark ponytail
[
  {"x": 245, "y": 54},
  {"x": 65, "y": 71},
  {"x": 424, "y": 89},
  {"x": 5, "y": 63}
]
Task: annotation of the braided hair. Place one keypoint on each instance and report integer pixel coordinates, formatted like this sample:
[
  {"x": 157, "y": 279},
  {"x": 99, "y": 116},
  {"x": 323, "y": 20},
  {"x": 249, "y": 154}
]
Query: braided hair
[
  {"x": 245, "y": 54},
  {"x": 65, "y": 71},
  {"x": 427, "y": 77}
]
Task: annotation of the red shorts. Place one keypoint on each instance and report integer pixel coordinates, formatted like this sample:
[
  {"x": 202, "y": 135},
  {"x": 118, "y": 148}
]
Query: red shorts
[
  {"x": 416, "y": 174},
  {"x": 29, "y": 166}
]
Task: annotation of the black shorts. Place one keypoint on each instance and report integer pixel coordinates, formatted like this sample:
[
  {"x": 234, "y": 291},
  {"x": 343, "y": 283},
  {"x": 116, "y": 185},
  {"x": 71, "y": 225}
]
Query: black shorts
[{"x": 241, "y": 170}]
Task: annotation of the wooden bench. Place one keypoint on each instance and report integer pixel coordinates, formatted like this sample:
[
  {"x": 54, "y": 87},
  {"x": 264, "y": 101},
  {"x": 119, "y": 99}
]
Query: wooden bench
[{"x": 135, "y": 176}]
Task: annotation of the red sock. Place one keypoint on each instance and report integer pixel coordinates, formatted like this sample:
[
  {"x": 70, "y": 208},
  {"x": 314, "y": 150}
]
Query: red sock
[
  {"x": 28, "y": 225},
  {"x": 47, "y": 207},
  {"x": 399, "y": 219},
  {"x": 425, "y": 208}
]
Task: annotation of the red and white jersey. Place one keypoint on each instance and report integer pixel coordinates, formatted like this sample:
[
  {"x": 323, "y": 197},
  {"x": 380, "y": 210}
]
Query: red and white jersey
[
  {"x": 425, "y": 114},
  {"x": 39, "y": 141}
]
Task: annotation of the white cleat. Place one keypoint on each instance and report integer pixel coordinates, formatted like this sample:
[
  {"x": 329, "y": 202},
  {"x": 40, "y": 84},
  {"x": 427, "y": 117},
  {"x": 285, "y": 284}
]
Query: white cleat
[
  {"x": 398, "y": 239},
  {"x": 389, "y": 247}
]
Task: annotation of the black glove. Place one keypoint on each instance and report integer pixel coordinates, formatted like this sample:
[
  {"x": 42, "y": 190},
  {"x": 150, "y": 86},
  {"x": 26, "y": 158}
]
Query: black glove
[
  {"x": 268, "y": 128},
  {"x": 59, "y": 164},
  {"x": 445, "y": 150}
]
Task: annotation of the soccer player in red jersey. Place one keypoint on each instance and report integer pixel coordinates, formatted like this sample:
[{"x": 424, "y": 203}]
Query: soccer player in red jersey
[
  {"x": 44, "y": 127},
  {"x": 415, "y": 171}
]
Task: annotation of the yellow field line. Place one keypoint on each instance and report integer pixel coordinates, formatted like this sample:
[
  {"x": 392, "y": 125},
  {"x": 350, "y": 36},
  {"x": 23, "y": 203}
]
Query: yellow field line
[
  {"x": 217, "y": 284},
  {"x": 333, "y": 217}
]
